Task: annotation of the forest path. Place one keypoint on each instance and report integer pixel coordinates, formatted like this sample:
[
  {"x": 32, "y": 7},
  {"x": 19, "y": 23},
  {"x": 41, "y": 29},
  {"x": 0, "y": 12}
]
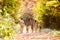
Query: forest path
[{"x": 35, "y": 36}]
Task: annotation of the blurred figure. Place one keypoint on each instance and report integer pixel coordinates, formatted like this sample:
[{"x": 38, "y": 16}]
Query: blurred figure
[
  {"x": 22, "y": 27},
  {"x": 31, "y": 24}
]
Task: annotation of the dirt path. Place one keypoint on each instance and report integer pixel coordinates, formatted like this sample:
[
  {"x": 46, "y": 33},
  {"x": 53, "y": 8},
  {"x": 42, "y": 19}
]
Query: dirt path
[{"x": 35, "y": 36}]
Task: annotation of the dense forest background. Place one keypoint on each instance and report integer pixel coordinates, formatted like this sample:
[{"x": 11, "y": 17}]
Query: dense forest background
[{"x": 46, "y": 12}]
